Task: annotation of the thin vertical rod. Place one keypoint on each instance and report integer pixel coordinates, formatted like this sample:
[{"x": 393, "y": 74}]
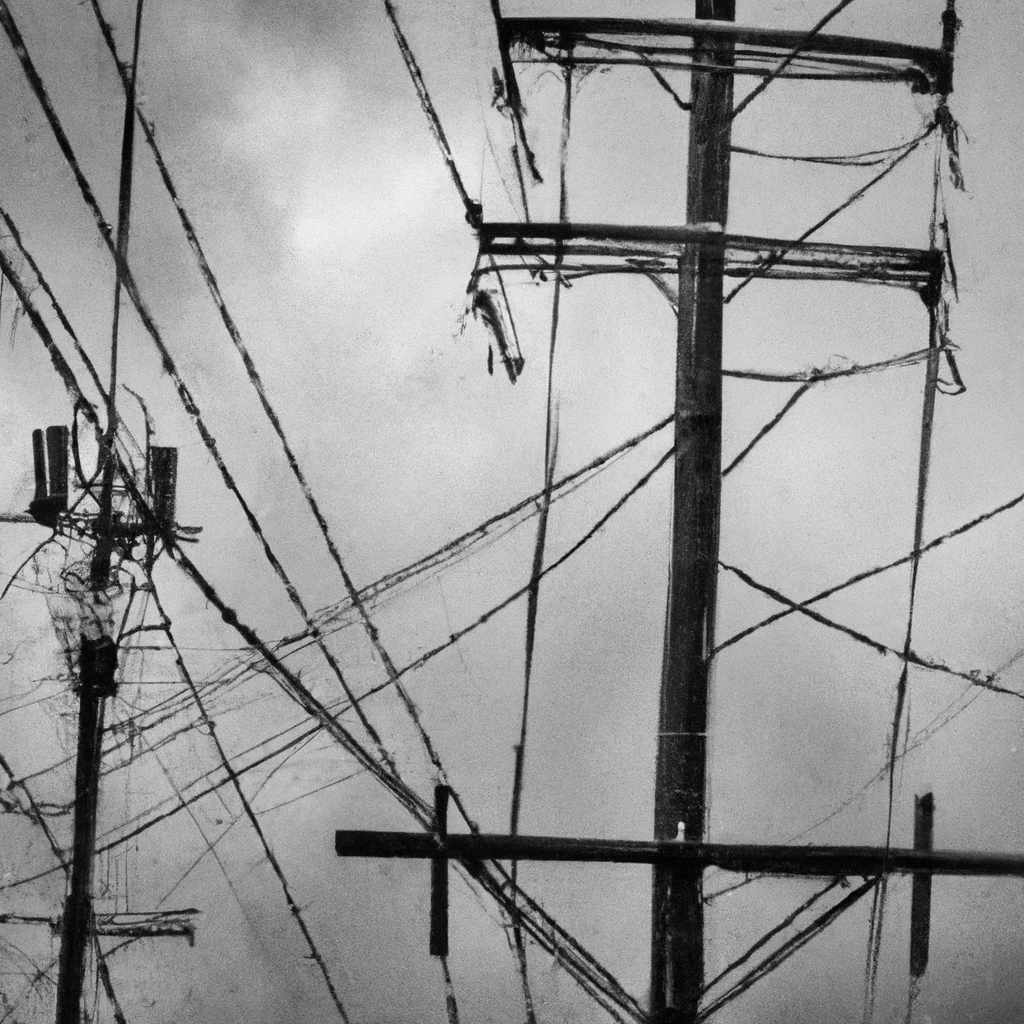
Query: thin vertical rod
[
  {"x": 677, "y": 915},
  {"x": 101, "y": 556}
]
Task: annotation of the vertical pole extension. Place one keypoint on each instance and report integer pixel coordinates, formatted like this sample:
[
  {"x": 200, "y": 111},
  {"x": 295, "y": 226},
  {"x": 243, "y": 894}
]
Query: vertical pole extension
[
  {"x": 439, "y": 879},
  {"x": 677, "y": 915},
  {"x": 98, "y": 655},
  {"x": 921, "y": 887}
]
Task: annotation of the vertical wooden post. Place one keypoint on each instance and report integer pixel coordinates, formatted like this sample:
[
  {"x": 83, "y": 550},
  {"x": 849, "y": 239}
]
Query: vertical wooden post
[
  {"x": 921, "y": 890},
  {"x": 98, "y": 656},
  {"x": 677, "y": 917},
  {"x": 439, "y": 879}
]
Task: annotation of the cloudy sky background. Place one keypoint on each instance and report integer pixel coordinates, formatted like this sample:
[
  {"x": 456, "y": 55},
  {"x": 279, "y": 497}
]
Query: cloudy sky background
[{"x": 298, "y": 147}]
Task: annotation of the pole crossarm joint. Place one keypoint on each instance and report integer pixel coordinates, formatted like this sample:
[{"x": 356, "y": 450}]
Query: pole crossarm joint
[
  {"x": 670, "y": 43},
  {"x": 628, "y": 249},
  {"x": 744, "y": 858}
]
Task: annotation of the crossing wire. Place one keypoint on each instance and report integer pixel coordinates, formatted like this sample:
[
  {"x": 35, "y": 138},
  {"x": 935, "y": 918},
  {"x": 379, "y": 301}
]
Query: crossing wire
[
  {"x": 792, "y": 945},
  {"x": 788, "y": 59},
  {"x": 907, "y": 655},
  {"x": 257, "y": 383},
  {"x": 766, "y": 265},
  {"x": 236, "y": 783},
  {"x": 541, "y": 926},
  {"x": 798, "y": 606},
  {"x": 192, "y": 407}
]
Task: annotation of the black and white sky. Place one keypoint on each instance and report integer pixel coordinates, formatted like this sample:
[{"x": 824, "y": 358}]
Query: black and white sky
[{"x": 299, "y": 150}]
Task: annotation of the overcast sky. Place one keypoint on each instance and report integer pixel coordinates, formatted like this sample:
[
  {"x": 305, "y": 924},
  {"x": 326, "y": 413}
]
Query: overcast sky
[{"x": 297, "y": 145}]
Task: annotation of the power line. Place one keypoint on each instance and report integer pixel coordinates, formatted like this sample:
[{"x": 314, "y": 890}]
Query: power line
[
  {"x": 268, "y": 852},
  {"x": 474, "y": 211},
  {"x": 794, "y": 606},
  {"x": 907, "y": 656},
  {"x": 787, "y": 60}
]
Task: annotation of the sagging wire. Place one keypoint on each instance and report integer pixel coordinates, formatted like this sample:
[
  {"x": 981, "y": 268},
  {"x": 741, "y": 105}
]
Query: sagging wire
[
  {"x": 867, "y": 158},
  {"x": 257, "y": 828},
  {"x": 762, "y": 268}
]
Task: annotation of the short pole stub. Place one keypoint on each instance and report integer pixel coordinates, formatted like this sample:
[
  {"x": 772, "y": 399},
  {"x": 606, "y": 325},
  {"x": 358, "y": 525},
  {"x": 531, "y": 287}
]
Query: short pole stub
[{"x": 439, "y": 878}]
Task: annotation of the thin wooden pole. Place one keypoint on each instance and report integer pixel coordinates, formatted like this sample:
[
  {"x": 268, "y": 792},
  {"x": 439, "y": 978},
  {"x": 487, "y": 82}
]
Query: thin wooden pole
[
  {"x": 97, "y": 665},
  {"x": 677, "y": 914},
  {"x": 98, "y": 655}
]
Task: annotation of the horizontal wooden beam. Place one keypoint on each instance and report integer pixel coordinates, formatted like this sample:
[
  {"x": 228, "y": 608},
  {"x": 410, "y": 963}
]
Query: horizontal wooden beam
[
  {"x": 813, "y": 861},
  {"x": 611, "y": 248},
  {"x": 593, "y": 39}
]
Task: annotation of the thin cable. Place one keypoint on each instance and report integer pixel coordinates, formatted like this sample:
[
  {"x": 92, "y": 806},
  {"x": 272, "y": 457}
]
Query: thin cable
[
  {"x": 581, "y": 965},
  {"x": 868, "y": 573},
  {"x": 550, "y": 458},
  {"x": 867, "y": 158},
  {"x": 589, "y": 535},
  {"x": 768, "y": 427},
  {"x": 229, "y": 768},
  {"x": 769, "y": 935},
  {"x": 924, "y": 463},
  {"x": 533, "y": 592},
  {"x": 791, "y": 946},
  {"x": 907, "y": 656},
  {"x": 787, "y": 60},
  {"x": 667, "y": 86},
  {"x": 455, "y": 547},
  {"x": 816, "y": 375},
  {"x": 60, "y": 364},
  {"x": 766, "y": 265},
  {"x": 192, "y": 408},
  {"x": 474, "y": 211},
  {"x": 57, "y": 308}
]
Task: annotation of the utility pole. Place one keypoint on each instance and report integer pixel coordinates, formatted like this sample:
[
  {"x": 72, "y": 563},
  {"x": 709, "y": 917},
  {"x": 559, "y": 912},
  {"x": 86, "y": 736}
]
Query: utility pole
[
  {"x": 97, "y": 665},
  {"x": 702, "y": 253},
  {"x": 98, "y": 653},
  {"x": 677, "y": 912}
]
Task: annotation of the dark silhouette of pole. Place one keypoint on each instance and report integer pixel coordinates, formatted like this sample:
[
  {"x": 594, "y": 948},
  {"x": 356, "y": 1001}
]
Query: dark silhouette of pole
[
  {"x": 921, "y": 890},
  {"x": 97, "y": 664},
  {"x": 98, "y": 655},
  {"x": 677, "y": 913}
]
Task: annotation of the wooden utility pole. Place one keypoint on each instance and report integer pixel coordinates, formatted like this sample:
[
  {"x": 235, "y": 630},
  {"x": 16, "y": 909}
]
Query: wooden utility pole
[
  {"x": 98, "y": 654},
  {"x": 677, "y": 913},
  {"x": 97, "y": 665},
  {"x": 702, "y": 253}
]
